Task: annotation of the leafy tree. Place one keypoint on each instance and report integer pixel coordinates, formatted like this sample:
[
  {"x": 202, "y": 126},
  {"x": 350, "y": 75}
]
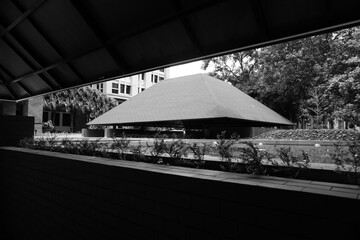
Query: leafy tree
[
  {"x": 316, "y": 106},
  {"x": 89, "y": 101},
  {"x": 315, "y": 77},
  {"x": 236, "y": 68}
]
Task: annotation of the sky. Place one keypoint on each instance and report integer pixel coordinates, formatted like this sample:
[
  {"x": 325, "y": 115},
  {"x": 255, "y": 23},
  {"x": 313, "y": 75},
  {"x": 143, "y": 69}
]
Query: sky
[{"x": 186, "y": 69}]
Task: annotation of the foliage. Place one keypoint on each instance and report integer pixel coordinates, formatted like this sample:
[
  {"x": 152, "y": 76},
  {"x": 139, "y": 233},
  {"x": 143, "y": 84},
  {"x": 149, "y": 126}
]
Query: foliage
[
  {"x": 120, "y": 145},
  {"x": 47, "y": 126},
  {"x": 348, "y": 160},
  {"x": 90, "y": 148},
  {"x": 253, "y": 157},
  {"x": 292, "y": 162},
  {"x": 311, "y": 134},
  {"x": 316, "y": 107},
  {"x": 138, "y": 152},
  {"x": 249, "y": 158},
  {"x": 286, "y": 155},
  {"x": 236, "y": 68},
  {"x": 158, "y": 147},
  {"x": 89, "y": 101},
  {"x": 65, "y": 145},
  {"x": 314, "y": 78},
  {"x": 225, "y": 146},
  {"x": 198, "y": 150},
  {"x": 176, "y": 148},
  {"x": 27, "y": 142}
]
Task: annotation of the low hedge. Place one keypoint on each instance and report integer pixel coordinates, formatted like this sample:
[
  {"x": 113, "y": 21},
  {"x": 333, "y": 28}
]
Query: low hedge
[
  {"x": 311, "y": 134},
  {"x": 234, "y": 155}
]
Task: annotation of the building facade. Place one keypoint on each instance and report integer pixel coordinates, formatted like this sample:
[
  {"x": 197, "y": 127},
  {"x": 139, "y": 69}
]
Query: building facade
[
  {"x": 124, "y": 88},
  {"x": 120, "y": 89}
]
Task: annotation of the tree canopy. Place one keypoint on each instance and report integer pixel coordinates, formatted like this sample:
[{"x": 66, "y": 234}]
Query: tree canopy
[
  {"x": 316, "y": 77},
  {"x": 89, "y": 101}
]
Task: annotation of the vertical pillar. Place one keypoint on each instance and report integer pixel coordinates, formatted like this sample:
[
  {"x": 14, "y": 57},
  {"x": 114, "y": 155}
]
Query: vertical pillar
[{"x": 34, "y": 107}]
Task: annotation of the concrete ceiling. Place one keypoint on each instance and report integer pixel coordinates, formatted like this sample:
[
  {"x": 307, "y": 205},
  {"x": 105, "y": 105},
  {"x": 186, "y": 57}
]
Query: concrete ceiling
[{"x": 51, "y": 45}]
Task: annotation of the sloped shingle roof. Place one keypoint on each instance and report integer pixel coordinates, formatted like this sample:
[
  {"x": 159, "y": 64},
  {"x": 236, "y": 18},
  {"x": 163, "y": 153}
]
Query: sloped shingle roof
[{"x": 189, "y": 98}]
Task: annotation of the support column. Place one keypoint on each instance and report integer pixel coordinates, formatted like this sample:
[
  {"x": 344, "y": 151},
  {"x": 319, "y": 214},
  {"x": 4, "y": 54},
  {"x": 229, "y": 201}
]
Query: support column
[{"x": 34, "y": 107}]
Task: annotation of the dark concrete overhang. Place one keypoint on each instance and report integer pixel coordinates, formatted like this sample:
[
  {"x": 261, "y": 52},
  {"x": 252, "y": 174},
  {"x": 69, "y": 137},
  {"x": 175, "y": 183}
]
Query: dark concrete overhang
[{"x": 51, "y": 45}]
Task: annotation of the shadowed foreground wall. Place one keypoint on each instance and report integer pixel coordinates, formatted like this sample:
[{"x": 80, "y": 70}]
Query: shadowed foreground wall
[
  {"x": 14, "y": 128},
  {"x": 49, "y": 195}
]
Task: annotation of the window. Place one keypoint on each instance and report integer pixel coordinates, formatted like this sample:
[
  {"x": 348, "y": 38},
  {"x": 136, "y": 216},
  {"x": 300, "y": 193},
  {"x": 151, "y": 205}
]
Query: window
[
  {"x": 122, "y": 88},
  {"x": 142, "y": 89},
  {"x": 100, "y": 87},
  {"x": 57, "y": 119},
  {"x": 115, "y": 88},
  {"x": 128, "y": 89},
  {"x": 45, "y": 116},
  {"x": 155, "y": 78},
  {"x": 66, "y": 119},
  {"x": 161, "y": 78},
  {"x": 142, "y": 76}
]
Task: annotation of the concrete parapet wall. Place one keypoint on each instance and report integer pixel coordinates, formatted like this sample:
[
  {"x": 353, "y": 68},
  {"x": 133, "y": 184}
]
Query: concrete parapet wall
[{"x": 47, "y": 195}]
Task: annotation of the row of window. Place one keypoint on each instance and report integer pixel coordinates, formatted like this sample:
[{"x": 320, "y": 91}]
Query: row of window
[
  {"x": 60, "y": 118},
  {"x": 126, "y": 89},
  {"x": 142, "y": 75},
  {"x": 156, "y": 78},
  {"x": 100, "y": 87}
]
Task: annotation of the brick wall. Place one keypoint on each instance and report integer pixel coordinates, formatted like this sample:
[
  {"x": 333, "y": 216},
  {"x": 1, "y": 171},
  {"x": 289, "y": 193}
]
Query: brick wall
[{"x": 49, "y": 195}]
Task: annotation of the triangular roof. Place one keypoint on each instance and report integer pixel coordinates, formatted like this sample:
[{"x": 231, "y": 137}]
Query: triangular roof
[{"x": 188, "y": 98}]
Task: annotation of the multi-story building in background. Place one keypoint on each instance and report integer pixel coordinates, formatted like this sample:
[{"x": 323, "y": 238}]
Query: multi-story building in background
[
  {"x": 124, "y": 88},
  {"x": 120, "y": 89}
]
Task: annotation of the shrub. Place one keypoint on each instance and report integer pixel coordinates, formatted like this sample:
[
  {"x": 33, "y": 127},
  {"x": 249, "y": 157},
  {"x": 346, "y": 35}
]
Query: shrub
[
  {"x": 159, "y": 146},
  {"x": 225, "y": 146},
  {"x": 253, "y": 157},
  {"x": 311, "y": 134},
  {"x": 347, "y": 160},
  {"x": 292, "y": 162},
  {"x": 176, "y": 148},
  {"x": 138, "y": 152},
  {"x": 120, "y": 145},
  {"x": 48, "y": 126},
  {"x": 27, "y": 142},
  {"x": 90, "y": 148},
  {"x": 198, "y": 150}
]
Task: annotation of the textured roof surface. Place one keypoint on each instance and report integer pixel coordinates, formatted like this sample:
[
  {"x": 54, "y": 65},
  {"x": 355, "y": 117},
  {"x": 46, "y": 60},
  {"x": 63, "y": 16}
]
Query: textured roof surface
[{"x": 191, "y": 97}]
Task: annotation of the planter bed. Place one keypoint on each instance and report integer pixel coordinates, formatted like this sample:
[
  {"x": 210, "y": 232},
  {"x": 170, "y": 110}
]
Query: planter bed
[{"x": 214, "y": 162}]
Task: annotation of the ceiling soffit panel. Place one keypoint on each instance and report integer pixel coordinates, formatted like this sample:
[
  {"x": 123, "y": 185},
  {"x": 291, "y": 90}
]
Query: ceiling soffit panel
[
  {"x": 50, "y": 45},
  {"x": 152, "y": 47}
]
